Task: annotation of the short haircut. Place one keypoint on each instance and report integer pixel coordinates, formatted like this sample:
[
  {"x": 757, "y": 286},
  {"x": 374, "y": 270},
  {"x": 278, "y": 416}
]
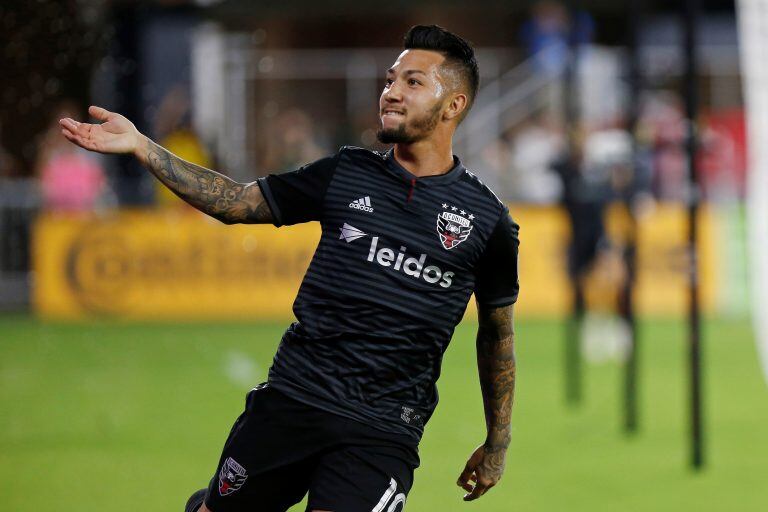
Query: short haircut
[{"x": 459, "y": 55}]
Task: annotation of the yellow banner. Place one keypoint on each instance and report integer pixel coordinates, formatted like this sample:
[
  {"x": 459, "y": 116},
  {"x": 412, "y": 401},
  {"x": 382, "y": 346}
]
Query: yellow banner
[
  {"x": 180, "y": 265},
  {"x": 168, "y": 265}
]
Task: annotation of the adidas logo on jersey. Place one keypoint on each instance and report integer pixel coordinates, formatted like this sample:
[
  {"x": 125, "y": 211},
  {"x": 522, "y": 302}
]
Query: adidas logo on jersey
[{"x": 364, "y": 203}]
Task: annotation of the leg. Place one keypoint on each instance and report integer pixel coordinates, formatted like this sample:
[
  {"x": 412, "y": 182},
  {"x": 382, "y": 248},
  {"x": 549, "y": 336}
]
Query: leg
[
  {"x": 275, "y": 490},
  {"x": 269, "y": 457},
  {"x": 365, "y": 478},
  {"x": 195, "y": 501}
]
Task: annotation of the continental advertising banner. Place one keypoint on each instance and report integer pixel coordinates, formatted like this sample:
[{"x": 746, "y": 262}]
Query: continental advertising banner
[{"x": 185, "y": 266}]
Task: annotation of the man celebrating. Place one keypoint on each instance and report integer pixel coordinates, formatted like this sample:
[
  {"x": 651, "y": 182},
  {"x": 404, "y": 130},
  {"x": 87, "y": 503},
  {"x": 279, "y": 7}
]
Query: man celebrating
[{"x": 407, "y": 236}]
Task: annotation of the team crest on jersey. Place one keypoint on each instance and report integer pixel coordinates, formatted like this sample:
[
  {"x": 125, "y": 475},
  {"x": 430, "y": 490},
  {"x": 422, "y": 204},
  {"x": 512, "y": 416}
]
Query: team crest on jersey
[
  {"x": 453, "y": 226},
  {"x": 231, "y": 477}
]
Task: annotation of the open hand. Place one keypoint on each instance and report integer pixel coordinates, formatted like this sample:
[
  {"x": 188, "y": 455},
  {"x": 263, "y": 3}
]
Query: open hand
[
  {"x": 484, "y": 467},
  {"x": 115, "y": 134}
]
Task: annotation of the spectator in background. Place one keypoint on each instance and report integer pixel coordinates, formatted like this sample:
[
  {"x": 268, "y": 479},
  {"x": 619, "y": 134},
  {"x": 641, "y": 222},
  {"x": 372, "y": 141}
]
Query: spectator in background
[
  {"x": 292, "y": 142},
  {"x": 536, "y": 146},
  {"x": 546, "y": 35},
  {"x": 586, "y": 192},
  {"x": 664, "y": 117},
  {"x": 71, "y": 179}
]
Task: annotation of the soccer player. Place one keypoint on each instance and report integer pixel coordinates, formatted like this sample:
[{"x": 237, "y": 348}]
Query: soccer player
[{"x": 407, "y": 236}]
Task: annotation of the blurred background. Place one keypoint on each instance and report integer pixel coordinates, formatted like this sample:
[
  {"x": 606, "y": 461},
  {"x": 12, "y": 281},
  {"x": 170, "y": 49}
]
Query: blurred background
[{"x": 625, "y": 137}]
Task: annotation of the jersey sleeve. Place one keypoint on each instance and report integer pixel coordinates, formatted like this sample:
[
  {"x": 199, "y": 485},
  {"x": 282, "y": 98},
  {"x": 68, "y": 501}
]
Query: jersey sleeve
[
  {"x": 297, "y": 196},
  {"x": 496, "y": 279}
]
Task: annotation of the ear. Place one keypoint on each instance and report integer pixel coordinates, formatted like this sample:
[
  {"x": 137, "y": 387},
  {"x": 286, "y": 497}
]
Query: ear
[{"x": 456, "y": 106}]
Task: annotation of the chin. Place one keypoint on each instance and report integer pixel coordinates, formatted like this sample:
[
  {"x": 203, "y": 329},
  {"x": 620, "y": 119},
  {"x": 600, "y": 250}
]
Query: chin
[{"x": 394, "y": 135}]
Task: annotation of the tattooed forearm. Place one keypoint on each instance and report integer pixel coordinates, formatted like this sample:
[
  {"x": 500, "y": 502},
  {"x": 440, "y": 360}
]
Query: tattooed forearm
[
  {"x": 208, "y": 191},
  {"x": 496, "y": 366}
]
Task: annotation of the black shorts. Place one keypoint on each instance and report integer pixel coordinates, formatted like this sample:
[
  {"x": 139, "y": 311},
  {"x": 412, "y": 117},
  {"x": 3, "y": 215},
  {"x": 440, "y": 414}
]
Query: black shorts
[{"x": 280, "y": 449}]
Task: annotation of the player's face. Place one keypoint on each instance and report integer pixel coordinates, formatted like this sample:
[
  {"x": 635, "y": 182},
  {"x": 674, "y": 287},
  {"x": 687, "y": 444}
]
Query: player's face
[{"x": 411, "y": 103}]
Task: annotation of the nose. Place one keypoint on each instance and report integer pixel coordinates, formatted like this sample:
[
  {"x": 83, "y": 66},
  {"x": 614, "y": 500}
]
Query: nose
[{"x": 392, "y": 94}]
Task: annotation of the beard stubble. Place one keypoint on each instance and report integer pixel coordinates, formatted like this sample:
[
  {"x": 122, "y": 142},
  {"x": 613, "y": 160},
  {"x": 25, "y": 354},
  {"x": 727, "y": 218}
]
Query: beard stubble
[{"x": 420, "y": 128}]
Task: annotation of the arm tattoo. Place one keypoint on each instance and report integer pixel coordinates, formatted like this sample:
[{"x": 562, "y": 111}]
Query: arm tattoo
[
  {"x": 496, "y": 366},
  {"x": 208, "y": 191}
]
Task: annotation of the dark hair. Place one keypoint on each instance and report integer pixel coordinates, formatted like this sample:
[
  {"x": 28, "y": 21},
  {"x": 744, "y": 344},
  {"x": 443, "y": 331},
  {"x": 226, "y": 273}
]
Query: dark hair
[{"x": 458, "y": 53}]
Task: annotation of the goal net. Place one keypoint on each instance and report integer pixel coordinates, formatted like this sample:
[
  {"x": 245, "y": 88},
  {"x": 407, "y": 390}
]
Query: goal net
[{"x": 753, "y": 34}]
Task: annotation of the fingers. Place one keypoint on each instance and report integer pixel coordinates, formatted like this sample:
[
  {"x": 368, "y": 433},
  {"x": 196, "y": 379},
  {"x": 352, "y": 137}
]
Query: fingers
[
  {"x": 74, "y": 138},
  {"x": 465, "y": 476},
  {"x": 77, "y": 133},
  {"x": 72, "y": 126},
  {"x": 481, "y": 487},
  {"x": 478, "y": 491},
  {"x": 76, "y": 128},
  {"x": 99, "y": 113},
  {"x": 69, "y": 124}
]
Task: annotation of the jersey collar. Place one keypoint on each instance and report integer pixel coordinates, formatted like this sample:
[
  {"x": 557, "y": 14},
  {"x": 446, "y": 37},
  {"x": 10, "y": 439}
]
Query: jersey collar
[{"x": 439, "y": 179}]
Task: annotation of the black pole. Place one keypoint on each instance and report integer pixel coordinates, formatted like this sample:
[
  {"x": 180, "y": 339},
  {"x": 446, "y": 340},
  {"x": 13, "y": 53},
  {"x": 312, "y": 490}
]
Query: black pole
[
  {"x": 627, "y": 305},
  {"x": 573, "y": 381},
  {"x": 690, "y": 94},
  {"x": 128, "y": 19}
]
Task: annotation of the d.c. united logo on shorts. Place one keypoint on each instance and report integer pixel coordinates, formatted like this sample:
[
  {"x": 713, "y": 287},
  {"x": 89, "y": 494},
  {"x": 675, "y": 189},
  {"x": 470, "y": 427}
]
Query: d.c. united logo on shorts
[{"x": 231, "y": 477}]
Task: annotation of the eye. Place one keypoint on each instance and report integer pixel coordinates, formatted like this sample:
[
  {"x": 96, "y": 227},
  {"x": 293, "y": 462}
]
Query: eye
[
  {"x": 388, "y": 82},
  {"x": 413, "y": 81}
]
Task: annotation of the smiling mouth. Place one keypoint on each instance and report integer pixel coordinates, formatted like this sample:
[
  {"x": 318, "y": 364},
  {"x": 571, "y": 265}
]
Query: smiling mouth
[{"x": 392, "y": 113}]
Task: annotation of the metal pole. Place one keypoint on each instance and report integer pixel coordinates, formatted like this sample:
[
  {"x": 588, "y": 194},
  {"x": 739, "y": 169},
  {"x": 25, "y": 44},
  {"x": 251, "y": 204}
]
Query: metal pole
[
  {"x": 691, "y": 110},
  {"x": 630, "y": 250},
  {"x": 573, "y": 380}
]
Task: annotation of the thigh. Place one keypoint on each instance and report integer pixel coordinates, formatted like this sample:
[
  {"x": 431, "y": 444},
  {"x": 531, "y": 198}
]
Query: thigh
[
  {"x": 268, "y": 459},
  {"x": 362, "y": 479},
  {"x": 270, "y": 491}
]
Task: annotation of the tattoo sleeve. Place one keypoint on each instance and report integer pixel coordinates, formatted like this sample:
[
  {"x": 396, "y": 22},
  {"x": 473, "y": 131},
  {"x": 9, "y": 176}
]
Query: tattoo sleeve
[
  {"x": 496, "y": 367},
  {"x": 208, "y": 191}
]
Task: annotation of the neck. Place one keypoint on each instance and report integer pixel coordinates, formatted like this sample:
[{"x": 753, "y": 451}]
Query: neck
[{"x": 425, "y": 157}]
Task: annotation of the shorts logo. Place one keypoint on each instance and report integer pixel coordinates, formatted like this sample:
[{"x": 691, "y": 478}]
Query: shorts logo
[
  {"x": 453, "y": 228},
  {"x": 231, "y": 477}
]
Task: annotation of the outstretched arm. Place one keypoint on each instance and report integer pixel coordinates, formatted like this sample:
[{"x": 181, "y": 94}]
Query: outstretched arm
[
  {"x": 208, "y": 191},
  {"x": 496, "y": 367}
]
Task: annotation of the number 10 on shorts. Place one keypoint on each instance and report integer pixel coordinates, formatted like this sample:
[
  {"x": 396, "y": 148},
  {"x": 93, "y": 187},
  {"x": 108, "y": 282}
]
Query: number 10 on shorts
[{"x": 388, "y": 496}]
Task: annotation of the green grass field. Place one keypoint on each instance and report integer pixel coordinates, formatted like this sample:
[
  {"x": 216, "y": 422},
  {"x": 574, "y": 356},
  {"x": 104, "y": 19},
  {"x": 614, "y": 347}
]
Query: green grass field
[{"x": 122, "y": 417}]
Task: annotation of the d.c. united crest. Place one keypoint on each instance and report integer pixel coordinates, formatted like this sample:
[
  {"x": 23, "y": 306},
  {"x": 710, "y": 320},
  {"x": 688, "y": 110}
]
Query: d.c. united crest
[
  {"x": 231, "y": 477},
  {"x": 453, "y": 228}
]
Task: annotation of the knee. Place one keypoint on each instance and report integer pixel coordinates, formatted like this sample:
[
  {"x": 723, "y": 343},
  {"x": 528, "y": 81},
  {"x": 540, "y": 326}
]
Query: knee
[{"x": 196, "y": 502}]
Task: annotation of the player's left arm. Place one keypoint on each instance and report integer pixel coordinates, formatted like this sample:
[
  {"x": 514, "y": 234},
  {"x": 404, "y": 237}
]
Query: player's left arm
[{"x": 496, "y": 368}]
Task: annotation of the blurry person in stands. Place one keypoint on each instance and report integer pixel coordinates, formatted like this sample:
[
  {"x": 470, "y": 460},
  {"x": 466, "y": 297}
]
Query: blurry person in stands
[
  {"x": 536, "y": 146},
  {"x": 547, "y": 32},
  {"x": 173, "y": 128},
  {"x": 664, "y": 116},
  {"x": 292, "y": 142},
  {"x": 71, "y": 179}
]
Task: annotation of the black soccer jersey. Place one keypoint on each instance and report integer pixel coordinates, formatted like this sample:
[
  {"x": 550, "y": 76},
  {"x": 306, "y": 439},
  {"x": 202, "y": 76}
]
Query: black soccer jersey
[{"x": 397, "y": 262}]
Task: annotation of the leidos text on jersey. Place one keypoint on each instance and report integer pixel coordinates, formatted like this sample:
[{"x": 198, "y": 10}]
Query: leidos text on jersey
[{"x": 411, "y": 266}]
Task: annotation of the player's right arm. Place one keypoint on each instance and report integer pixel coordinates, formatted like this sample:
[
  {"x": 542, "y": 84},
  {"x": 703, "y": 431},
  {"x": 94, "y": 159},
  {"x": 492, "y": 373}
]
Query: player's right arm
[{"x": 210, "y": 192}]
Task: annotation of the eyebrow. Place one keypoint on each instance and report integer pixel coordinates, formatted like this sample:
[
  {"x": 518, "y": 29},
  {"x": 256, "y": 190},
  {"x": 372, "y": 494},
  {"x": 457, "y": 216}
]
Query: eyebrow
[{"x": 409, "y": 72}]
